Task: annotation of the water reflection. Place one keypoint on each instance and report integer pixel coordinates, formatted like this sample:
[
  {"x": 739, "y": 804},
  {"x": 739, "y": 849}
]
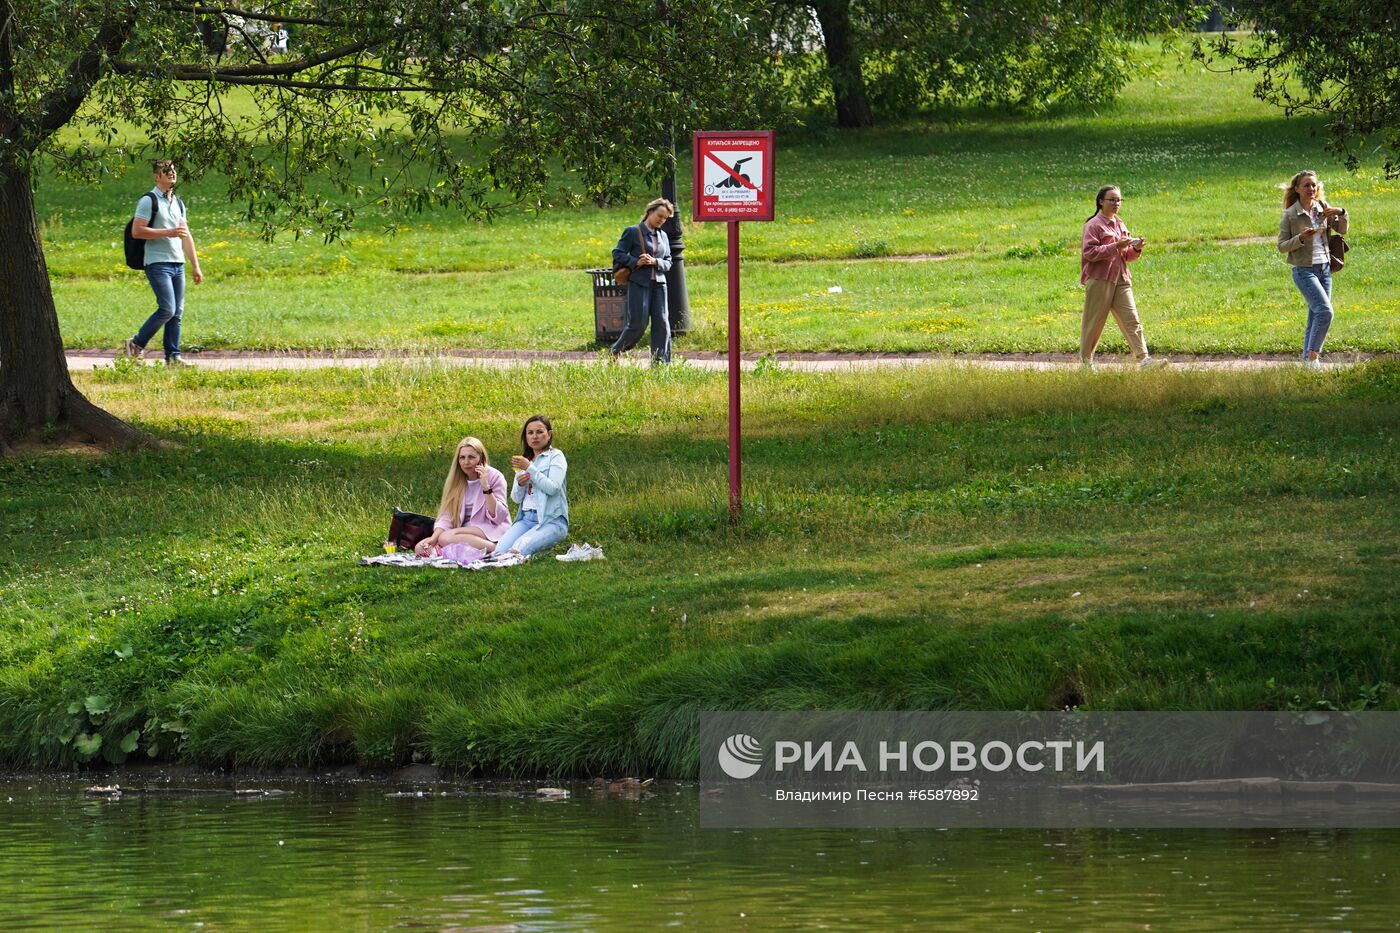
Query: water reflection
[{"x": 350, "y": 857}]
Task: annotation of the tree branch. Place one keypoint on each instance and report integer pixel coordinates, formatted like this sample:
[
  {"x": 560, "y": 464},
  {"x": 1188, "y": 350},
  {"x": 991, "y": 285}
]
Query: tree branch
[
  {"x": 322, "y": 85},
  {"x": 60, "y": 104},
  {"x": 201, "y": 9},
  {"x": 204, "y": 72}
]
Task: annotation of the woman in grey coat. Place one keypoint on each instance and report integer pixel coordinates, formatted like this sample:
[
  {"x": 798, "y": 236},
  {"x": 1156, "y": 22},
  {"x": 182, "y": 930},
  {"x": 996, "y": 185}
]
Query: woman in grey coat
[{"x": 646, "y": 250}]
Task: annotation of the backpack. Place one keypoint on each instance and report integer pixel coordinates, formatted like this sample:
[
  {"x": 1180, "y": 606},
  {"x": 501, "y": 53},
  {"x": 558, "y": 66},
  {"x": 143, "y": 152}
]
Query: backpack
[{"x": 136, "y": 249}]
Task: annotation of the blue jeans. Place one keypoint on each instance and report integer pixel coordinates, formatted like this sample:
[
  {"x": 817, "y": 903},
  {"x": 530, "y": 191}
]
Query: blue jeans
[
  {"x": 645, "y": 300},
  {"x": 527, "y": 535},
  {"x": 168, "y": 282},
  {"x": 1315, "y": 282}
]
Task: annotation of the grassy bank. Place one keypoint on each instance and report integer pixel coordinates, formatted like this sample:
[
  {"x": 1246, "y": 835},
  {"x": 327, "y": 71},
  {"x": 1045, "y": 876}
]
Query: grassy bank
[
  {"x": 940, "y": 538},
  {"x": 1199, "y": 160}
]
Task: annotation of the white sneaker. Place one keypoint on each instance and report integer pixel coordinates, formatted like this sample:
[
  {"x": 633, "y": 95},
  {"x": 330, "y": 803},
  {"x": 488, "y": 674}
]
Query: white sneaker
[
  {"x": 584, "y": 551},
  {"x": 1313, "y": 364},
  {"x": 1088, "y": 366},
  {"x": 575, "y": 552},
  {"x": 132, "y": 349},
  {"x": 1150, "y": 362}
]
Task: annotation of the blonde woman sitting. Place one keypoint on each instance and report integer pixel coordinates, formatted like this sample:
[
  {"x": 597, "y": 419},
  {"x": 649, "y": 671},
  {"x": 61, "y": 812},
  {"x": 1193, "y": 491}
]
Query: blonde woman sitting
[{"x": 473, "y": 514}]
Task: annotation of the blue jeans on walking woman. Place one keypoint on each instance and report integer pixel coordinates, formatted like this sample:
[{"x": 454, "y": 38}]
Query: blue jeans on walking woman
[
  {"x": 1315, "y": 282},
  {"x": 527, "y": 535},
  {"x": 168, "y": 282}
]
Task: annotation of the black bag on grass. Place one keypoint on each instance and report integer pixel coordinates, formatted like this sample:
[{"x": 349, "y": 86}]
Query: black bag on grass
[{"x": 408, "y": 528}]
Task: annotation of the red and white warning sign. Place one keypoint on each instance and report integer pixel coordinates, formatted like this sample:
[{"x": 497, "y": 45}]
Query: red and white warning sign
[
  {"x": 733, "y": 180},
  {"x": 733, "y": 175}
]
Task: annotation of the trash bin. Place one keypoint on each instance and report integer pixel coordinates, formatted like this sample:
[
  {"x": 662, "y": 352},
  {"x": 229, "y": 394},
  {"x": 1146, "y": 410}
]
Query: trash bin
[{"x": 609, "y": 306}]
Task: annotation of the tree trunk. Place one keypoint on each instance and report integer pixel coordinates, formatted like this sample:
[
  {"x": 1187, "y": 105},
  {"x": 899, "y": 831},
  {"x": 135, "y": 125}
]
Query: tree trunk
[
  {"x": 843, "y": 61},
  {"x": 35, "y": 389}
]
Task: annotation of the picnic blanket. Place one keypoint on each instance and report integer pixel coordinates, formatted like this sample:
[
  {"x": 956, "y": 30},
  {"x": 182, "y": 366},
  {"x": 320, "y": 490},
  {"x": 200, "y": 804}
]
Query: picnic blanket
[
  {"x": 461, "y": 557},
  {"x": 410, "y": 560},
  {"x": 441, "y": 563}
]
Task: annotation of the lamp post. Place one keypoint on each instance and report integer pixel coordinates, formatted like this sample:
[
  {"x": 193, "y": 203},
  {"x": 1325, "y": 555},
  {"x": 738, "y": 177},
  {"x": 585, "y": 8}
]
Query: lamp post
[{"x": 677, "y": 299}]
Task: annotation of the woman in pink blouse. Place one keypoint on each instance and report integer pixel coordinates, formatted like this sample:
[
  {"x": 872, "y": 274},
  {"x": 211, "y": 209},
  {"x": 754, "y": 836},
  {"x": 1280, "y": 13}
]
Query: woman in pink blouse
[
  {"x": 1104, "y": 255},
  {"x": 473, "y": 513}
]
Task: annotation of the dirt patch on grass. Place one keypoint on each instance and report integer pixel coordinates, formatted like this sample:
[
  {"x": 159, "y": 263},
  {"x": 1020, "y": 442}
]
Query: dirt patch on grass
[{"x": 59, "y": 446}]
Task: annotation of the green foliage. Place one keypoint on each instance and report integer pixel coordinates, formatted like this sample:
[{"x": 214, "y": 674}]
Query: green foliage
[
  {"x": 1336, "y": 58},
  {"x": 913, "y": 55},
  {"x": 410, "y": 105}
]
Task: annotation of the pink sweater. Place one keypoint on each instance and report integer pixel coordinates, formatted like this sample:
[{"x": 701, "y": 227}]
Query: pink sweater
[
  {"x": 474, "y": 507},
  {"x": 1099, "y": 255}
]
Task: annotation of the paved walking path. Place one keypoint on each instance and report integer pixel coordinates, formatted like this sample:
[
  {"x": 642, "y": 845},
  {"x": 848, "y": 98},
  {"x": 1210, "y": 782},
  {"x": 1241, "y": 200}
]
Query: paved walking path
[{"x": 807, "y": 362}]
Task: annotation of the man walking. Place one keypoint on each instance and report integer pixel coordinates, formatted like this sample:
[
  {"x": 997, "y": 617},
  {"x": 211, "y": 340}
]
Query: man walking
[{"x": 161, "y": 222}]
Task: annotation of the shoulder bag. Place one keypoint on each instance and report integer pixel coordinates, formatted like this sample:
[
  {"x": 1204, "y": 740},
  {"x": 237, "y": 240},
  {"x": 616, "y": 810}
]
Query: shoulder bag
[
  {"x": 1337, "y": 247},
  {"x": 623, "y": 274},
  {"x": 406, "y": 529}
]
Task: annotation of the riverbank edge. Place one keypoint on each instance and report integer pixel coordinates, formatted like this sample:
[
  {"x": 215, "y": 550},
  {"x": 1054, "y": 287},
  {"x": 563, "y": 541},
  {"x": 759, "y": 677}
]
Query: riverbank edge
[{"x": 172, "y": 776}]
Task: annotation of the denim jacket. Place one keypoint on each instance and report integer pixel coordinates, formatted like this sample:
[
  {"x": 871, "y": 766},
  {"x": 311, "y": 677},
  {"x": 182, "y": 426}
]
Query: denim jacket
[{"x": 548, "y": 475}]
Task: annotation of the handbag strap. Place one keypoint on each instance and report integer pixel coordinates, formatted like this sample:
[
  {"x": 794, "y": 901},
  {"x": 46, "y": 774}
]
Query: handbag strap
[{"x": 641, "y": 243}]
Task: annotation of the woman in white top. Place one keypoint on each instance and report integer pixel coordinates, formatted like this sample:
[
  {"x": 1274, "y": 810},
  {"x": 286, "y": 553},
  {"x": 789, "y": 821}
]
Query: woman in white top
[{"x": 1303, "y": 233}]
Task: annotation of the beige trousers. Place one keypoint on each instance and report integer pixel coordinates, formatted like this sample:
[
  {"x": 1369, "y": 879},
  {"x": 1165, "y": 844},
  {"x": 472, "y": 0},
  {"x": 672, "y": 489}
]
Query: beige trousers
[{"x": 1099, "y": 299}]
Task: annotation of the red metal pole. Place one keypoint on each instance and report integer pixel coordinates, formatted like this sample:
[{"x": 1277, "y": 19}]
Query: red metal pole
[{"x": 734, "y": 500}]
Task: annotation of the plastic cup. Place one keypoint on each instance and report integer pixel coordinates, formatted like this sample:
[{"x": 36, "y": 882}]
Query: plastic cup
[{"x": 391, "y": 548}]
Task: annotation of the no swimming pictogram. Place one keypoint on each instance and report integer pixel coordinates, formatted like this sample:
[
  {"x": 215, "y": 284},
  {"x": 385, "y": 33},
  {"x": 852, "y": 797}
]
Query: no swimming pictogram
[
  {"x": 734, "y": 175},
  {"x": 729, "y": 176}
]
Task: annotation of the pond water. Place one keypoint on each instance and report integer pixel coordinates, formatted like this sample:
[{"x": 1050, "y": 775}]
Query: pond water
[{"x": 348, "y": 856}]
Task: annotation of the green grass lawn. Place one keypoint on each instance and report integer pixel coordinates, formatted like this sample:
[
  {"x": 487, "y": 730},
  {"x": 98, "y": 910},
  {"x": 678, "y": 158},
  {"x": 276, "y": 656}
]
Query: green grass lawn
[
  {"x": 932, "y": 538},
  {"x": 1193, "y": 298},
  {"x": 1198, "y": 158}
]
